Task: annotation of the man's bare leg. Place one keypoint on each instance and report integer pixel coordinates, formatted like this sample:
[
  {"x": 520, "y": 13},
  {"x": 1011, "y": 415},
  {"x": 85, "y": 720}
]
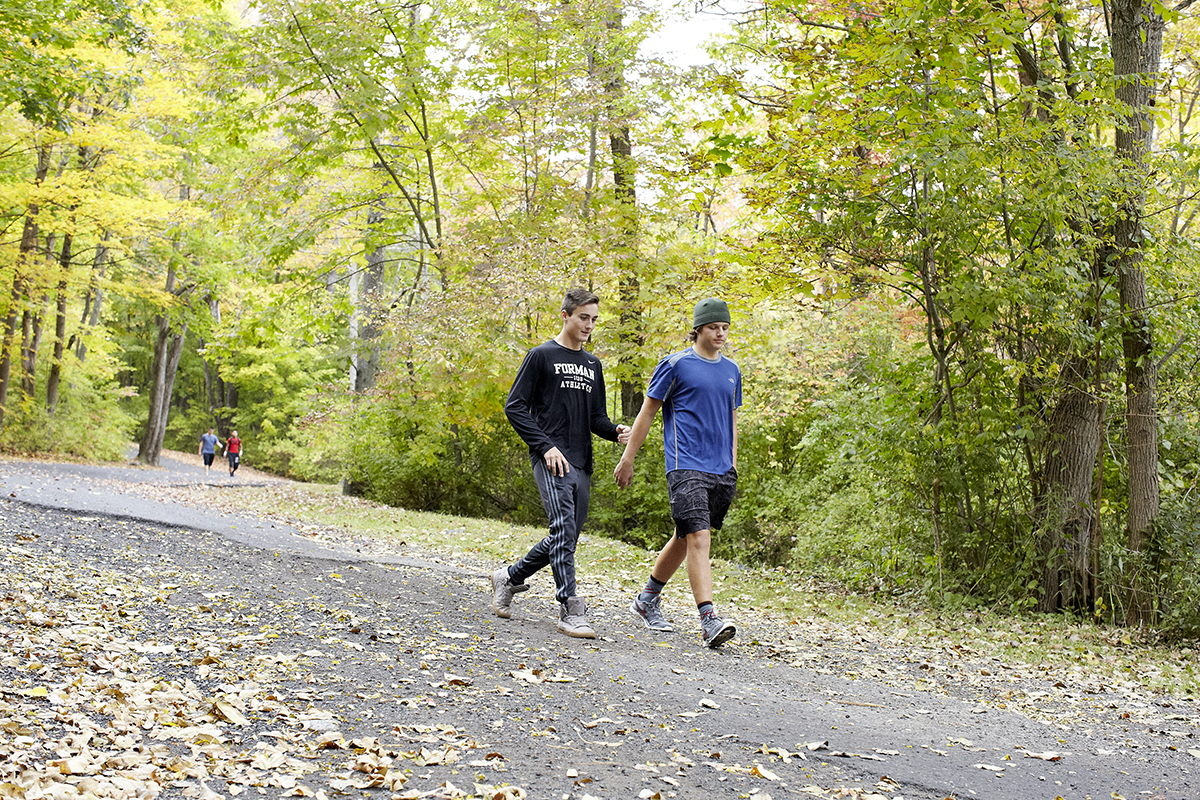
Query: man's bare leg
[
  {"x": 670, "y": 558},
  {"x": 715, "y": 630},
  {"x": 699, "y": 567},
  {"x": 647, "y": 604}
]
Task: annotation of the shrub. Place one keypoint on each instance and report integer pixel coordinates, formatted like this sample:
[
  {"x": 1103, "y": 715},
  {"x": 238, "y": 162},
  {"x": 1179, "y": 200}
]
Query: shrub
[{"x": 86, "y": 424}]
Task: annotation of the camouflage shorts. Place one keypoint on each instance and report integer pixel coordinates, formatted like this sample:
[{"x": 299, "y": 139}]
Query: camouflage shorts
[{"x": 699, "y": 500}]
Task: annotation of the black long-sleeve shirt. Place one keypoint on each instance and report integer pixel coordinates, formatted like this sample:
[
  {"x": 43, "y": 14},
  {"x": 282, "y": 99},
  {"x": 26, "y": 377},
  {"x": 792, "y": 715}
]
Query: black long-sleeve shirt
[{"x": 557, "y": 400}]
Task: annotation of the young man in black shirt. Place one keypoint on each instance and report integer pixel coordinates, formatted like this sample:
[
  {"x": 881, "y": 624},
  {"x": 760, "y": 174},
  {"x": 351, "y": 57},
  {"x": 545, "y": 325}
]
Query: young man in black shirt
[{"x": 556, "y": 403}]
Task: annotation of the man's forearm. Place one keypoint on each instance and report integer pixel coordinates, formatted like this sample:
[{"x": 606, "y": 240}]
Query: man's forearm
[{"x": 641, "y": 428}]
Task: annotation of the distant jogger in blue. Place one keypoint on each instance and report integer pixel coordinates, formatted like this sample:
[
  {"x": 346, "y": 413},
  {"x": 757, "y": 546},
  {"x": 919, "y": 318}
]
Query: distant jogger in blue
[
  {"x": 556, "y": 404},
  {"x": 208, "y": 448}
]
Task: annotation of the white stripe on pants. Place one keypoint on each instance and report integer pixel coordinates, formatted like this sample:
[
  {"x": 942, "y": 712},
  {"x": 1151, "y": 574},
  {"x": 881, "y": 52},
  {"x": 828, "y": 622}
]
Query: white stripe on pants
[{"x": 566, "y": 502}]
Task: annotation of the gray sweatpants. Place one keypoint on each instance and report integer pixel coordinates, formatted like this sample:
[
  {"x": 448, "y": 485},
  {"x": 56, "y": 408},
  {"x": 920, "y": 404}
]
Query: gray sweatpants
[{"x": 566, "y": 502}]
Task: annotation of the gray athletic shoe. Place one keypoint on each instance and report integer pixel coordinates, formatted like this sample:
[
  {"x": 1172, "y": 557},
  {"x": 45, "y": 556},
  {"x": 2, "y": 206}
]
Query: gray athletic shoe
[
  {"x": 716, "y": 631},
  {"x": 503, "y": 590},
  {"x": 651, "y": 613},
  {"x": 572, "y": 619}
]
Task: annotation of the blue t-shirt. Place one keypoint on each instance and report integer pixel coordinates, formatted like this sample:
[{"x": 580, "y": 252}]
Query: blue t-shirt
[
  {"x": 208, "y": 443},
  {"x": 699, "y": 397}
]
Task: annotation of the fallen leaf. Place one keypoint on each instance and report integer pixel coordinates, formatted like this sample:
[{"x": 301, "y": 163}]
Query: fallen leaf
[
  {"x": 500, "y": 792},
  {"x": 593, "y": 723},
  {"x": 764, "y": 773},
  {"x": 228, "y": 712}
]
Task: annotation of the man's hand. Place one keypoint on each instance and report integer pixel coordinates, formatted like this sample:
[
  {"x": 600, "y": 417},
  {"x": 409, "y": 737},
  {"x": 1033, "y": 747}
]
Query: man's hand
[
  {"x": 623, "y": 432},
  {"x": 556, "y": 462},
  {"x": 623, "y": 473}
]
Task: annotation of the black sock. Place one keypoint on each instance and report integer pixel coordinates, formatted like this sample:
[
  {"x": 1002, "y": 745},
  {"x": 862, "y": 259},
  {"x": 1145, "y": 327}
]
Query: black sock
[{"x": 705, "y": 608}]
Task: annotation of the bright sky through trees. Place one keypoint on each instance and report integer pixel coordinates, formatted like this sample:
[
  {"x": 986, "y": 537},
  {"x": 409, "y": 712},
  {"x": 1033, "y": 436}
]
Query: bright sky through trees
[{"x": 688, "y": 27}]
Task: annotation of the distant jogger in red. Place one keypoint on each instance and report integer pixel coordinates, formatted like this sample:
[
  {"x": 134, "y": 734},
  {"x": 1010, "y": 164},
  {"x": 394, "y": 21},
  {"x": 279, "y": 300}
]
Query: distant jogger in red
[{"x": 233, "y": 450}]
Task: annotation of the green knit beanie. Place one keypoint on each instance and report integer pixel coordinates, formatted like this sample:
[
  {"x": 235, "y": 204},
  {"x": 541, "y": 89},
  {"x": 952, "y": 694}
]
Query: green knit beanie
[{"x": 710, "y": 310}]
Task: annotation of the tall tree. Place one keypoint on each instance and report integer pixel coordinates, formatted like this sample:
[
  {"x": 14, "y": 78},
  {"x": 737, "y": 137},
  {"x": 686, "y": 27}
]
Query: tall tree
[
  {"x": 872, "y": 165},
  {"x": 171, "y": 329},
  {"x": 19, "y": 294},
  {"x": 616, "y": 53},
  {"x": 1137, "y": 37}
]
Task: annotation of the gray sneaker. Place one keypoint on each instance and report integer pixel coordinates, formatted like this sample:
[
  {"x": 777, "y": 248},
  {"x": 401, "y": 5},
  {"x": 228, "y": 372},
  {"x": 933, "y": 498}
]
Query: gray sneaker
[
  {"x": 503, "y": 590},
  {"x": 716, "y": 631},
  {"x": 572, "y": 619},
  {"x": 651, "y": 613}
]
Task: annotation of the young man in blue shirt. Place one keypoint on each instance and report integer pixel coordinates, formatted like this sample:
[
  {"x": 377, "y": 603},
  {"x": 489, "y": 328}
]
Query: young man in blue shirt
[
  {"x": 208, "y": 448},
  {"x": 699, "y": 391},
  {"x": 556, "y": 404}
]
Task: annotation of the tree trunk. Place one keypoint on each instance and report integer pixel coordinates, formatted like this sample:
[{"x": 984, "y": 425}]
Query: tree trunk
[
  {"x": 92, "y": 302},
  {"x": 1137, "y": 34},
  {"x": 624, "y": 180},
  {"x": 20, "y": 284},
  {"x": 231, "y": 400},
  {"x": 1065, "y": 493},
  {"x": 213, "y": 390},
  {"x": 60, "y": 325},
  {"x": 214, "y": 384},
  {"x": 168, "y": 346},
  {"x": 31, "y": 331},
  {"x": 589, "y": 184},
  {"x": 86, "y": 163},
  {"x": 31, "y": 334},
  {"x": 369, "y": 304}
]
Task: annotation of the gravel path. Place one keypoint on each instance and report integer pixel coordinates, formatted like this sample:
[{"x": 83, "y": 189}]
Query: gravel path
[{"x": 155, "y": 648}]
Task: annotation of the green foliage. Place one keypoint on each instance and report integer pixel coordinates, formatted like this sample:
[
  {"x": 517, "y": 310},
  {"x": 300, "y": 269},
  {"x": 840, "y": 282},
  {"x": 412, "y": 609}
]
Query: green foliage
[
  {"x": 300, "y": 458},
  {"x": 811, "y": 501},
  {"x": 48, "y": 52},
  {"x": 639, "y": 514},
  {"x": 85, "y": 425},
  {"x": 1166, "y": 569},
  {"x": 412, "y": 460}
]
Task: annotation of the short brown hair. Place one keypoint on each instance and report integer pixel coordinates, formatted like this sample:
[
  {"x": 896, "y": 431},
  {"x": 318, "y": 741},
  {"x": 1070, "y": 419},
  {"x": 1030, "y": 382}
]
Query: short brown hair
[{"x": 578, "y": 297}]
